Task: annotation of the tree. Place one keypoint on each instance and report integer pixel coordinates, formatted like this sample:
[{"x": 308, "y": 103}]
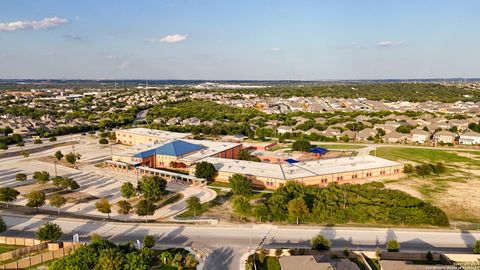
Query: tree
[
  {"x": 35, "y": 199},
  {"x": 261, "y": 212},
  {"x": 139, "y": 260},
  {"x": 8, "y": 194},
  {"x": 58, "y": 155},
  {"x": 152, "y": 187},
  {"x": 205, "y": 170},
  {"x": 72, "y": 158},
  {"x": 393, "y": 245},
  {"x": 423, "y": 170},
  {"x": 41, "y": 177},
  {"x": 408, "y": 169},
  {"x": 194, "y": 204},
  {"x": 124, "y": 208},
  {"x": 319, "y": 242},
  {"x": 297, "y": 210},
  {"x": 301, "y": 145},
  {"x": 110, "y": 259},
  {"x": 49, "y": 232},
  {"x": 103, "y": 206},
  {"x": 262, "y": 255},
  {"x": 241, "y": 206},
  {"x": 240, "y": 185},
  {"x": 128, "y": 190},
  {"x": 21, "y": 177},
  {"x": 37, "y": 141},
  {"x": 57, "y": 201},
  {"x": 52, "y": 139},
  {"x": 148, "y": 241},
  {"x": 103, "y": 141},
  {"x": 439, "y": 168},
  {"x": 145, "y": 208},
  {"x": 476, "y": 247},
  {"x": 25, "y": 153},
  {"x": 3, "y": 226}
]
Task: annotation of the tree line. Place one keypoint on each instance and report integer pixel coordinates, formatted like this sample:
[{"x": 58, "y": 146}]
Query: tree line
[{"x": 336, "y": 204}]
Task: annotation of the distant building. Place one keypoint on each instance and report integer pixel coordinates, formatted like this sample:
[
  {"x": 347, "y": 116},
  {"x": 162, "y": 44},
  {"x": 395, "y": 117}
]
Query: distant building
[
  {"x": 469, "y": 138},
  {"x": 419, "y": 136},
  {"x": 136, "y": 136},
  {"x": 444, "y": 137}
]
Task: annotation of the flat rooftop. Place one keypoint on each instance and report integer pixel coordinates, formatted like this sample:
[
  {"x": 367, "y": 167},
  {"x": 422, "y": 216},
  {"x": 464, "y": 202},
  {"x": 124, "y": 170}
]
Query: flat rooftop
[
  {"x": 161, "y": 134},
  {"x": 312, "y": 168}
]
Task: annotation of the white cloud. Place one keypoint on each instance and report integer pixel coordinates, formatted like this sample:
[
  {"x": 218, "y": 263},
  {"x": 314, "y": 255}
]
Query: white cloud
[
  {"x": 389, "y": 43},
  {"x": 275, "y": 49},
  {"x": 123, "y": 65},
  {"x": 77, "y": 18},
  {"x": 174, "y": 38},
  {"x": 113, "y": 57},
  {"x": 45, "y": 23}
]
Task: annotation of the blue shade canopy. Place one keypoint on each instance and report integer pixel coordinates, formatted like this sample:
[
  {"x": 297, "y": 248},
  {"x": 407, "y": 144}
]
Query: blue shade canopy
[
  {"x": 318, "y": 150},
  {"x": 291, "y": 160}
]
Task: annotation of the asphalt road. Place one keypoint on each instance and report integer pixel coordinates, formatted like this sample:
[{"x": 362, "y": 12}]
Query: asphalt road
[{"x": 225, "y": 245}]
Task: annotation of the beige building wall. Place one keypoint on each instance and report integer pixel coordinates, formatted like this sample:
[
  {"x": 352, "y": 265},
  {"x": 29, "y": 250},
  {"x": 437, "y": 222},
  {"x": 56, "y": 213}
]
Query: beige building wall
[{"x": 321, "y": 180}]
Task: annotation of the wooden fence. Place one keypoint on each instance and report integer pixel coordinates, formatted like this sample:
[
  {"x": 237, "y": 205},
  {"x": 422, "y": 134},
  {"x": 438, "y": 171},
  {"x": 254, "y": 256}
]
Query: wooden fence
[{"x": 32, "y": 246}]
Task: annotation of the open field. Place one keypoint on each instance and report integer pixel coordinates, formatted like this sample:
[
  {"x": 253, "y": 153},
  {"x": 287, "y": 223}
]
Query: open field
[
  {"x": 341, "y": 146},
  {"x": 457, "y": 191}
]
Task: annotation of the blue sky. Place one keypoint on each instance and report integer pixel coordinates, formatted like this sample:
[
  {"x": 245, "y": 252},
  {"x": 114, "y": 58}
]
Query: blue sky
[{"x": 261, "y": 39}]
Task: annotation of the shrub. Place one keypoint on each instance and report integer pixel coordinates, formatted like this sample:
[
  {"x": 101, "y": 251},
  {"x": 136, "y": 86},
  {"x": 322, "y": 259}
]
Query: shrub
[
  {"x": 319, "y": 242},
  {"x": 476, "y": 247},
  {"x": 49, "y": 232},
  {"x": 148, "y": 241},
  {"x": 21, "y": 177},
  {"x": 393, "y": 246},
  {"x": 3, "y": 226}
]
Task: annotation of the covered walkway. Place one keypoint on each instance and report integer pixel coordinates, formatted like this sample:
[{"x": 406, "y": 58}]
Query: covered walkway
[{"x": 174, "y": 176}]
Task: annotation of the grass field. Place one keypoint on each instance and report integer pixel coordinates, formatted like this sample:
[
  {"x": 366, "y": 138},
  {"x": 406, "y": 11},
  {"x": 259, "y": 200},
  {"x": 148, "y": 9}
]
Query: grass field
[
  {"x": 341, "y": 146},
  {"x": 7, "y": 248},
  {"x": 457, "y": 191}
]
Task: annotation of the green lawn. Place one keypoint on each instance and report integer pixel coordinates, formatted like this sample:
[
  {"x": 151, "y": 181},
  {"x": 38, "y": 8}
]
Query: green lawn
[
  {"x": 341, "y": 146},
  {"x": 424, "y": 155},
  {"x": 6, "y": 248},
  {"x": 271, "y": 263},
  {"x": 219, "y": 184}
]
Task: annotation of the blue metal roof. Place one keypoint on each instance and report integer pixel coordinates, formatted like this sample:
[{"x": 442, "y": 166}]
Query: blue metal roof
[{"x": 175, "y": 148}]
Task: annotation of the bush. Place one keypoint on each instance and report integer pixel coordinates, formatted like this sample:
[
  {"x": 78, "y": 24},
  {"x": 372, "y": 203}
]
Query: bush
[
  {"x": 49, "y": 232},
  {"x": 319, "y": 243},
  {"x": 3, "y": 226},
  {"x": 301, "y": 145},
  {"x": 148, "y": 241},
  {"x": 52, "y": 139},
  {"x": 103, "y": 141},
  {"x": 37, "y": 141},
  {"x": 21, "y": 177},
  {"x": 476, "y": 247},
  {"x": 393, "y": 246}
]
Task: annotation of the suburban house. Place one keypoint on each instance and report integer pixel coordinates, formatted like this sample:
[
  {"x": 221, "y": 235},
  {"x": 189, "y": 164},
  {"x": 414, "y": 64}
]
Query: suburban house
[
  {"x": 364, "y": 134},
  {"x": 419, "y": 135},
  {"x": 395, "y": 137},
  {"x": 443, "y": 136},
  {"x": 331, "y": 132},
  {"x": 316, "y": 262},
  {"x": 469, "y": 138},
  {"x": 284, "y": 129},
  {"x": 461, "y": 124}
]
